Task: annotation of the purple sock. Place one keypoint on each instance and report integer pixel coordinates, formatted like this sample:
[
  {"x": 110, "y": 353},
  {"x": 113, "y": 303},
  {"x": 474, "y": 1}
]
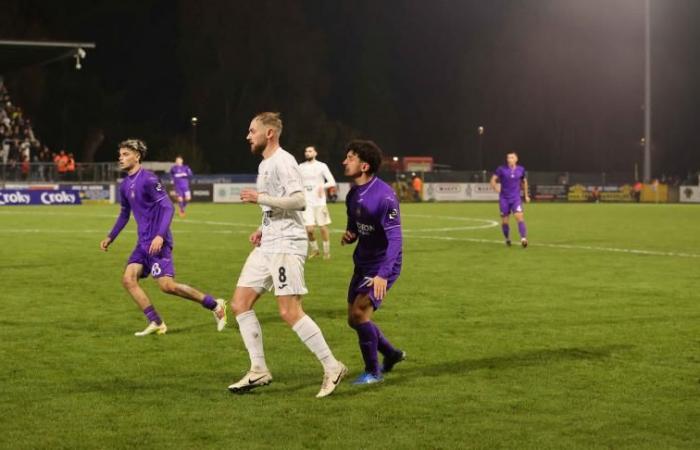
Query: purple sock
[
  {"x": 522, "y": 229},
  {"x": 209, "y": 302},
  {"x": 366, "y": 332},
  {"x": 152, "y": 315},
  {"x": 506, "y": 230},
  {"x": 383, "y": 344},
  {"x": 182, "y": 206}
]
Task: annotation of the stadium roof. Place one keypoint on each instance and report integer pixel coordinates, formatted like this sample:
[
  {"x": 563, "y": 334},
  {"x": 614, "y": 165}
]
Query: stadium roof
[{"x": 17, "y": 54}]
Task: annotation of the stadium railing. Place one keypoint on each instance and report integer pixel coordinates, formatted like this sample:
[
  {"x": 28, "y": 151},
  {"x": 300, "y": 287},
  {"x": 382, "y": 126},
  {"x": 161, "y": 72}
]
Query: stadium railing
[{"x": 48, "y": 172}]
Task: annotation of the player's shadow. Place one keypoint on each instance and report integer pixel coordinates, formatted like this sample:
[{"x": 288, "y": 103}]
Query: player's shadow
[{"x": 410, "y": 369}]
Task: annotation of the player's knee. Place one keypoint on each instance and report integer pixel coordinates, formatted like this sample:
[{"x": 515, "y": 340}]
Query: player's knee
[
  {"x": 355, "y": 317},
  {"x": 290, "y": 315},
  {"x": 129, "y": 281},
  {"x": 238, "y": 307},
  {"x": 168, "y": 286}
]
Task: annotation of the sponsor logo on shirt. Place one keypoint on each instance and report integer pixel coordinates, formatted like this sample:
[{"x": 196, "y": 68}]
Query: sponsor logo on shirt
[
  {"x": 365, "y": 229},
  {"x": 393, "y": 213}
]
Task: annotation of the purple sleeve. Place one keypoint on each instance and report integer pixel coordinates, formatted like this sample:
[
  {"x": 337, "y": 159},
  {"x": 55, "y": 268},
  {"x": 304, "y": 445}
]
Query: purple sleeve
[
  {"x": 165, "y": 216},
  {"x": 155, "y": 190},
  {"x": 391, "y": 222},
  {"x": 189, "y": 173},
  {"x": 123, "y": 218},
  {"x": 352, "y": 225}
]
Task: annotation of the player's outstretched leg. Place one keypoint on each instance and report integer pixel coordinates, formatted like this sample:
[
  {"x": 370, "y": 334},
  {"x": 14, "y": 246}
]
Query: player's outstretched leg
[
  {"x": 313, "y": 243},
  {"x": 216, "y": 306},
  {"x": 522, "y": 229},
  {"x": 505, "y": 228},
  {"x": 368, "y": 335},
  {"x": 310, "y": 334},
  {"x": 392, "y": 355},
  {"x": 325, "y": 236},
  {"x": 181, "y": 204},
  {"x": 369, "y": 343},
  {"x": 131, "y": 284},
  {"x": 259, "y": 375}
]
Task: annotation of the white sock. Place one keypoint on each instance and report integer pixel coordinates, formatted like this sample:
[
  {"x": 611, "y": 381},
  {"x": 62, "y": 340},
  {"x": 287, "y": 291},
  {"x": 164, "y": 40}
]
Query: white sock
[
  {"x": 327, "y": 247},
  {"x": 251, "y": 332},
  {"x": 314, "y": 245},
  {"x": 310, "y": 334}
]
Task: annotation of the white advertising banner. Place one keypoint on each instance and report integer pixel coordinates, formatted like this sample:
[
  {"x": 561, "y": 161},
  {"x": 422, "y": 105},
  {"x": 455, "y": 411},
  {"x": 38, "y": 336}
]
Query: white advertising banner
[
  {"x": 230, "y": 192},
  {"x": 481, "y": 192},
  {"x": 459, "y": 192},
  {"x": 689, "y": 194}
]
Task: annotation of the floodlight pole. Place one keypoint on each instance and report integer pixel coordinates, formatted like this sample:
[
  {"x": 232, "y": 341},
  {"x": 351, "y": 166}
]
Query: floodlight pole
[{"x": 647, "y": 92}]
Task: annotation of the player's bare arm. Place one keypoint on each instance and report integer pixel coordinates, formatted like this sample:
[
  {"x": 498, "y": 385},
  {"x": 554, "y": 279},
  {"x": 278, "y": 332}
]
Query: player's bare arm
[
  {"x": 156, "y": 245},
  {"x": 379, "y": 284},
  {"x": 249, "y": 196},
  {"x": 104, "y": 244},
  {"x": 494, "y": 184},
  {"x": 348, "y": 237},
  {"x": 526, "y": 191},
  {"x": 255, "y": 237}
]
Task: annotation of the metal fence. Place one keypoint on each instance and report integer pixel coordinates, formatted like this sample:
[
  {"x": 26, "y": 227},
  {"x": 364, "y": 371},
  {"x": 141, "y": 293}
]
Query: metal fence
[
  {"x": 484, "y": 176},
  {"x": 48, "y": 172}
]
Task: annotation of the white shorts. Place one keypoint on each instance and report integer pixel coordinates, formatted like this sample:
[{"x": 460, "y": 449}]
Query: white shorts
[
  {"x": 282, "y": 271},
  {"x": 316, "y": 215}
]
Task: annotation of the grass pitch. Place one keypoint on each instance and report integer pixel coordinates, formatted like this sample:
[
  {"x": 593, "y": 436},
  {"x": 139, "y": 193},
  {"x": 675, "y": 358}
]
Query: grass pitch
[{"x": 590, "y": 338}]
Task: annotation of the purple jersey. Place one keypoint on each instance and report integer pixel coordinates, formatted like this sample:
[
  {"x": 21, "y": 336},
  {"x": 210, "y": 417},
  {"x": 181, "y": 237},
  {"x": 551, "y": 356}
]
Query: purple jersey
[
  {"x": 181, "y": 176},
  {"x": 510, "y": 180},
  {"x": 143, "y": 194},
  {"x": 373, "y": 214}
]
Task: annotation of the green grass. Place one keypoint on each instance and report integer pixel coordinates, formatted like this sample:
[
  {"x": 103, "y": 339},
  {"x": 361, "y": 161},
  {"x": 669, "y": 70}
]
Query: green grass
[{"x": 568, "y": 344}]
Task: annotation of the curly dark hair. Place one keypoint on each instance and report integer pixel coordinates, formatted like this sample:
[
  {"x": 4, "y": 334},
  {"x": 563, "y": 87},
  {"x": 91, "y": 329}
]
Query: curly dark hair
[{"x": 368, "y": 152}]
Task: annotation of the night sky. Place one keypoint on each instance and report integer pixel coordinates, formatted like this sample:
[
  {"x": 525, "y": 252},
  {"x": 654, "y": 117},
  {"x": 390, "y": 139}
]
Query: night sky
[{"x": 559, "y": 81}]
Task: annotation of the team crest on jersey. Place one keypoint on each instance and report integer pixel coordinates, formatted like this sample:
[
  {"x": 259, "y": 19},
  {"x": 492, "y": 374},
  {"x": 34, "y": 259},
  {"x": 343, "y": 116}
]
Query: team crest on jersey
[
  {"x": 159, "y": 187},
  {"x": 393, "y": 213}
]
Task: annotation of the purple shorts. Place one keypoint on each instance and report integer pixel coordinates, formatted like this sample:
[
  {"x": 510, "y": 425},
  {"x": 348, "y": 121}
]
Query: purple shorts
[
  {"x": 182, "y": 191},
  {"x": 158, "y": 265},
  {"x": 359, "y": 285},
  {"x": 510, "y": 206}
]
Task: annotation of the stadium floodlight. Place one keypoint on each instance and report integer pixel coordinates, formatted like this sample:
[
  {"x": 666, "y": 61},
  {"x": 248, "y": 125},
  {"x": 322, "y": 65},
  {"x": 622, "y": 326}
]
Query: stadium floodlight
[
  {"x": 47, "y": 52},
  {"x": 194, "y": 121},
  {"x": 79, "y": 55}
]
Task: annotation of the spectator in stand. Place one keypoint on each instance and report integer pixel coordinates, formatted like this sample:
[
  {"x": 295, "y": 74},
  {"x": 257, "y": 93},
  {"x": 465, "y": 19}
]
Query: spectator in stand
[
  {"x": 70, "y": 167},
  {"x": 61, "y": 164},
  {"x": 637, "y": 191},
  {"x": 44, "y": 161},
  {"x": 417, "y": 185},
  {"x": 24, "y": 168}
]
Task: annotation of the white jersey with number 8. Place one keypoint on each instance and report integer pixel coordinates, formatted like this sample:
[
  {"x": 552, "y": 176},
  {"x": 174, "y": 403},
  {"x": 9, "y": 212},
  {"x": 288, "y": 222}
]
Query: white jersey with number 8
[{"x": 282, "y": 231}]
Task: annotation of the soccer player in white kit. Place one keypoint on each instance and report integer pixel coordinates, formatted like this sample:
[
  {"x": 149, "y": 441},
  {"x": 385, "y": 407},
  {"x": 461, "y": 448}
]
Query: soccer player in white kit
[
  {"x": 317, "y": 178},
  {"x": 277, "y": 260}
]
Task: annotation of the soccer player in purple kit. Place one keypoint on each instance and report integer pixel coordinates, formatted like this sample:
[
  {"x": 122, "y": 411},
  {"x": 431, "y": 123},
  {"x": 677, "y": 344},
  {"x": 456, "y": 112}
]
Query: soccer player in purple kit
[
  {"x": 507, "y": 180},
  {"x": 374, "y": 221},
  {"x": 181, "y": 175},
  {"x": 143, "y": 194}
]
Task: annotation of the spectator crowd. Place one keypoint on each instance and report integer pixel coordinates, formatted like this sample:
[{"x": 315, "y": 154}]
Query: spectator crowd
[{"x": 22, "y": 155}]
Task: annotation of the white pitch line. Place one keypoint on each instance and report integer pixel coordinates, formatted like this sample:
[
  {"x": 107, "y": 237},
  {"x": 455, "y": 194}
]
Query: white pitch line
[
  {"x": 38, "y": 230},
  {"x": 410, "y": 232},
  {"x": 568, "y": 247}
]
